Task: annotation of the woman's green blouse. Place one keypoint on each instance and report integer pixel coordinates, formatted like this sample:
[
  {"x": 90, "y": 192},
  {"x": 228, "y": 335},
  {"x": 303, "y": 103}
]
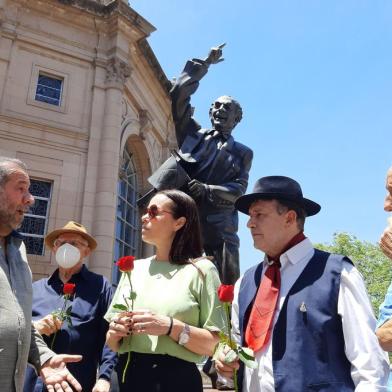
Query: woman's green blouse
[{"x": 179, "y": 291}]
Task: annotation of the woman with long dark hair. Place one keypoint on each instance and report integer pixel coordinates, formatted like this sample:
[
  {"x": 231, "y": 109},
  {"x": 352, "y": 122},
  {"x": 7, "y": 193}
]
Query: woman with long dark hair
[{"x": 177, "y": 314}]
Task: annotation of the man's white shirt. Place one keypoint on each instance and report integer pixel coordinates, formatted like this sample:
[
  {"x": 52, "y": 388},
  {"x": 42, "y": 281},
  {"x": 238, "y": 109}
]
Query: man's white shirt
[{"x": 369, "y": 363}]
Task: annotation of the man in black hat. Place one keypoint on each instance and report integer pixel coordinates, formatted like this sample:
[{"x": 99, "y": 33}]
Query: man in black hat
[{"x": 304, "y": 312}]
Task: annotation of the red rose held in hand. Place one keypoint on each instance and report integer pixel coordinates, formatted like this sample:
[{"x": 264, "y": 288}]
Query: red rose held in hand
[
  {"x": 125, "y": 263},
  {"x": 69, "y": 288},
  {"x": 226, "y": 292}
]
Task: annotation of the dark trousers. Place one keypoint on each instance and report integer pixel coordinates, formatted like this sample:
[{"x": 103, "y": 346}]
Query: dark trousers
[{"x": 158, "y": 373}]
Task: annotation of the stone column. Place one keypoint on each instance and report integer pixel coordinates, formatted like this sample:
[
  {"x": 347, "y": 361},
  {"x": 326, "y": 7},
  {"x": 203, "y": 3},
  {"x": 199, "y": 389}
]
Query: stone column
[{"x": 117, "y": 71}]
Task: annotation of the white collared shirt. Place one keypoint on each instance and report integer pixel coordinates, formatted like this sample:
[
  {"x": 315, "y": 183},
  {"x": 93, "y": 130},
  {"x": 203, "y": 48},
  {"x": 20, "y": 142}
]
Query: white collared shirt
[{"x": 369, "y": 363}]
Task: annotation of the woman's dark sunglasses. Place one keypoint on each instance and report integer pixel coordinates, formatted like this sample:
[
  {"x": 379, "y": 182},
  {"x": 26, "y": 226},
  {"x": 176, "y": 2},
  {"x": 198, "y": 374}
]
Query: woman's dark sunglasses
[{"x": 153, "y": 211}]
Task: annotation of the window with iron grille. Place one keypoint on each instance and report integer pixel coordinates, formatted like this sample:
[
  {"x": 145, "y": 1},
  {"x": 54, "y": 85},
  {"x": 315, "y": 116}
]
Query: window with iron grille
[
  {"x": 49, "y": 89},
  {"x": 127, "y": 231},
  {"x": 35, "y": 222}
]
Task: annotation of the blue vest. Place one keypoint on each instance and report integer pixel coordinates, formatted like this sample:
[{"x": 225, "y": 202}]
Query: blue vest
[{"x": 308, "y": 345}]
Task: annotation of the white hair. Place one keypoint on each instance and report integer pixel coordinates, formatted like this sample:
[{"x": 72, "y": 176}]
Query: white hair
[{"x": 8, "y": 166}]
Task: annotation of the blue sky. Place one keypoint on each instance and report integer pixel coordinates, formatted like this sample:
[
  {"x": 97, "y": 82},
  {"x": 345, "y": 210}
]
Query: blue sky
[{"x": 314, "y": 79}]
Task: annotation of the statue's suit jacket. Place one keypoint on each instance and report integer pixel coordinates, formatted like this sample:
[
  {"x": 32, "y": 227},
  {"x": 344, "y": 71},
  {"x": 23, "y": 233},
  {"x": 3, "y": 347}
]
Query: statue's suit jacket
[{"x": 222, "y": 164}]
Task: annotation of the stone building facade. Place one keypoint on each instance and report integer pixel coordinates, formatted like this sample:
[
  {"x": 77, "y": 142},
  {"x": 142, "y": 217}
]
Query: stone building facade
[{"x": 84, "y": 102}]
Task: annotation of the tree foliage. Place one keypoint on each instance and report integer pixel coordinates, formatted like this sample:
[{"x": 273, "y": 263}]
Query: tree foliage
[{"x": 370, "y": 261}]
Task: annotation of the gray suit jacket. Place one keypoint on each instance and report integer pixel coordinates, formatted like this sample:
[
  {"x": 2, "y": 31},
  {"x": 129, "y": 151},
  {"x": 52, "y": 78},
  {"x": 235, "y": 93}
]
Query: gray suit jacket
[{"x": 19, "y": 341}]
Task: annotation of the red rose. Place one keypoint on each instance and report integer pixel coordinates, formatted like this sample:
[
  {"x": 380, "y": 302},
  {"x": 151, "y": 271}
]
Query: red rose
[
  {"x": 125, "y": 263},
  {"x": 226, "y": 292},
  {"x": 69, "y": 288}
]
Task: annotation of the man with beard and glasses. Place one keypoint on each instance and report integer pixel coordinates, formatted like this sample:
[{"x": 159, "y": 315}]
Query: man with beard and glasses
[{"x": 20, "y": 343}]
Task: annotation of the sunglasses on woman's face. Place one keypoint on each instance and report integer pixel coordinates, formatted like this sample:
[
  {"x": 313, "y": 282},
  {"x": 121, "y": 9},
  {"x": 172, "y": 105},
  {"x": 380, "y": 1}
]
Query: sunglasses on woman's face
[{"x": 153, "y": 211}]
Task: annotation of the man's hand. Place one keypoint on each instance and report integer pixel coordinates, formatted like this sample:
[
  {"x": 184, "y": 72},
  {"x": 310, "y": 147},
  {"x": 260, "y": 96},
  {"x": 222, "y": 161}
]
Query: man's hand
[
  {"x": 384, "y": 335},
  {"x": 197, "y": 189},
  {"x": 48, "y": 325},
  {"x": 386, "y": 242},
  {"x": 57, "y": 377},
  {"x": 215, "y": 55},
  {"x": 101, "y": 385},
  {"x": 224, "y": 367}
]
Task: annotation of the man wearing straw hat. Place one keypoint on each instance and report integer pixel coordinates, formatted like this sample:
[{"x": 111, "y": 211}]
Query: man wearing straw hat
[{"x": 85, "y": 334}]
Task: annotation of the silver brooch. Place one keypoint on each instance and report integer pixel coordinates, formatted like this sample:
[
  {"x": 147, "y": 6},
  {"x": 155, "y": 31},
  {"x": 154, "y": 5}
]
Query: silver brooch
[{"x": 302, "y": 308}]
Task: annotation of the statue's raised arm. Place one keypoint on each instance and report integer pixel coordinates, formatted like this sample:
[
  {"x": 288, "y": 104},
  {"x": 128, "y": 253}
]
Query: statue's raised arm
[
  {"x": 184, "y": 86},
  {"x": 210, "y": 165}
]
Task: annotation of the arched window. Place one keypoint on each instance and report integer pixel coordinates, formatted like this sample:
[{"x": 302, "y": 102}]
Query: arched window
[{"x": 127, "y": 233}]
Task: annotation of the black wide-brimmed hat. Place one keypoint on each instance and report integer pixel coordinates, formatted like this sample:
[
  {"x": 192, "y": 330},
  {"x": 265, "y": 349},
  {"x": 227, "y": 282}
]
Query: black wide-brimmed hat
[{"x": 279, "y": 188}]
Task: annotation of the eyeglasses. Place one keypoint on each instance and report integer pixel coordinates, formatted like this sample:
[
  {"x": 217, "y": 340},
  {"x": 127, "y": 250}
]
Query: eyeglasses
[
  {"x": 153, "y": 211},
  {"x": 75, "y": 243}
]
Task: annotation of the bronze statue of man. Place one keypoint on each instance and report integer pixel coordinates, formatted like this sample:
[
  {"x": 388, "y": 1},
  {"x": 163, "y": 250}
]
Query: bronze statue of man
[{"x": 210, "y": 165}]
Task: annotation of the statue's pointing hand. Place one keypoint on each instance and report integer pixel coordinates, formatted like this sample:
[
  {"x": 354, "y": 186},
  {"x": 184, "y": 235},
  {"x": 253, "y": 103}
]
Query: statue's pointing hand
[{"x": 215, "y": 55}]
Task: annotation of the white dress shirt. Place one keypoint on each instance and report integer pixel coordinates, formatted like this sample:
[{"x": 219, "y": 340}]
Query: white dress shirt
[{"x": 369, "y": 363}]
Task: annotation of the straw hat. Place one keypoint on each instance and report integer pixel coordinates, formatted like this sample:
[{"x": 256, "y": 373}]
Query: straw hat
[{"x": 71, "y": 227}]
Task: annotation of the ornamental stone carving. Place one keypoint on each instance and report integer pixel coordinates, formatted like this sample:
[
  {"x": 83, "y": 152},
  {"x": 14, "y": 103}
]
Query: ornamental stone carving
[
  {"x": 144, "y": 123},
  {"x": 117, "y": 71}
]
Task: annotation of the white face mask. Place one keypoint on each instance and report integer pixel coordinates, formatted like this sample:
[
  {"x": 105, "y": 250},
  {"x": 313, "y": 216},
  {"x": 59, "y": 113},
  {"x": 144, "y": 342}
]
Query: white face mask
[{"x": 67, "y": 256}]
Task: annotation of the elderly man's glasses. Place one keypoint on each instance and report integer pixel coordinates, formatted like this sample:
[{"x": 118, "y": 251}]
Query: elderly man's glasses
[
  {"x": 75, "y": 243},
  {"x": 153, "y": 211}
]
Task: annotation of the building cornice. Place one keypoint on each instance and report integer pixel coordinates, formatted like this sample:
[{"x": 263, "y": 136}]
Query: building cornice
[
  {"x": 119, "y": 6},
  {"x": 135, "y": 19},
  {"x": 149, "y": 55}
]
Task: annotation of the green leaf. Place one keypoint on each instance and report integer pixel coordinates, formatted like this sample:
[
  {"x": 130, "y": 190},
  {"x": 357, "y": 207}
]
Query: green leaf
[
  {"x": 132, "y": 295},
  {"x": 247, "y": 357},
  {"x": 246, "y": 353},
  {"x": 120, "y": 307},
  {"x": 222, "y": 336}
]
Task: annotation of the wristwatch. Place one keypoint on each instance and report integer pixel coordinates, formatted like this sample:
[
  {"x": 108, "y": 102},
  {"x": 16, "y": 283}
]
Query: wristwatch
[{"x": 183, "y": 338}]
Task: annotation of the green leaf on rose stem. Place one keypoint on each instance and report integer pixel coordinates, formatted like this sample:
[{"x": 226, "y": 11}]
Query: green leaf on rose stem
[
  {"x": 132, "y": 295},
  {"x": 247, "y": 357},
  {"x": 69, "y": 310},
  {"x": 120, "y": 307},
  {"x": 223, "y": 337}
]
